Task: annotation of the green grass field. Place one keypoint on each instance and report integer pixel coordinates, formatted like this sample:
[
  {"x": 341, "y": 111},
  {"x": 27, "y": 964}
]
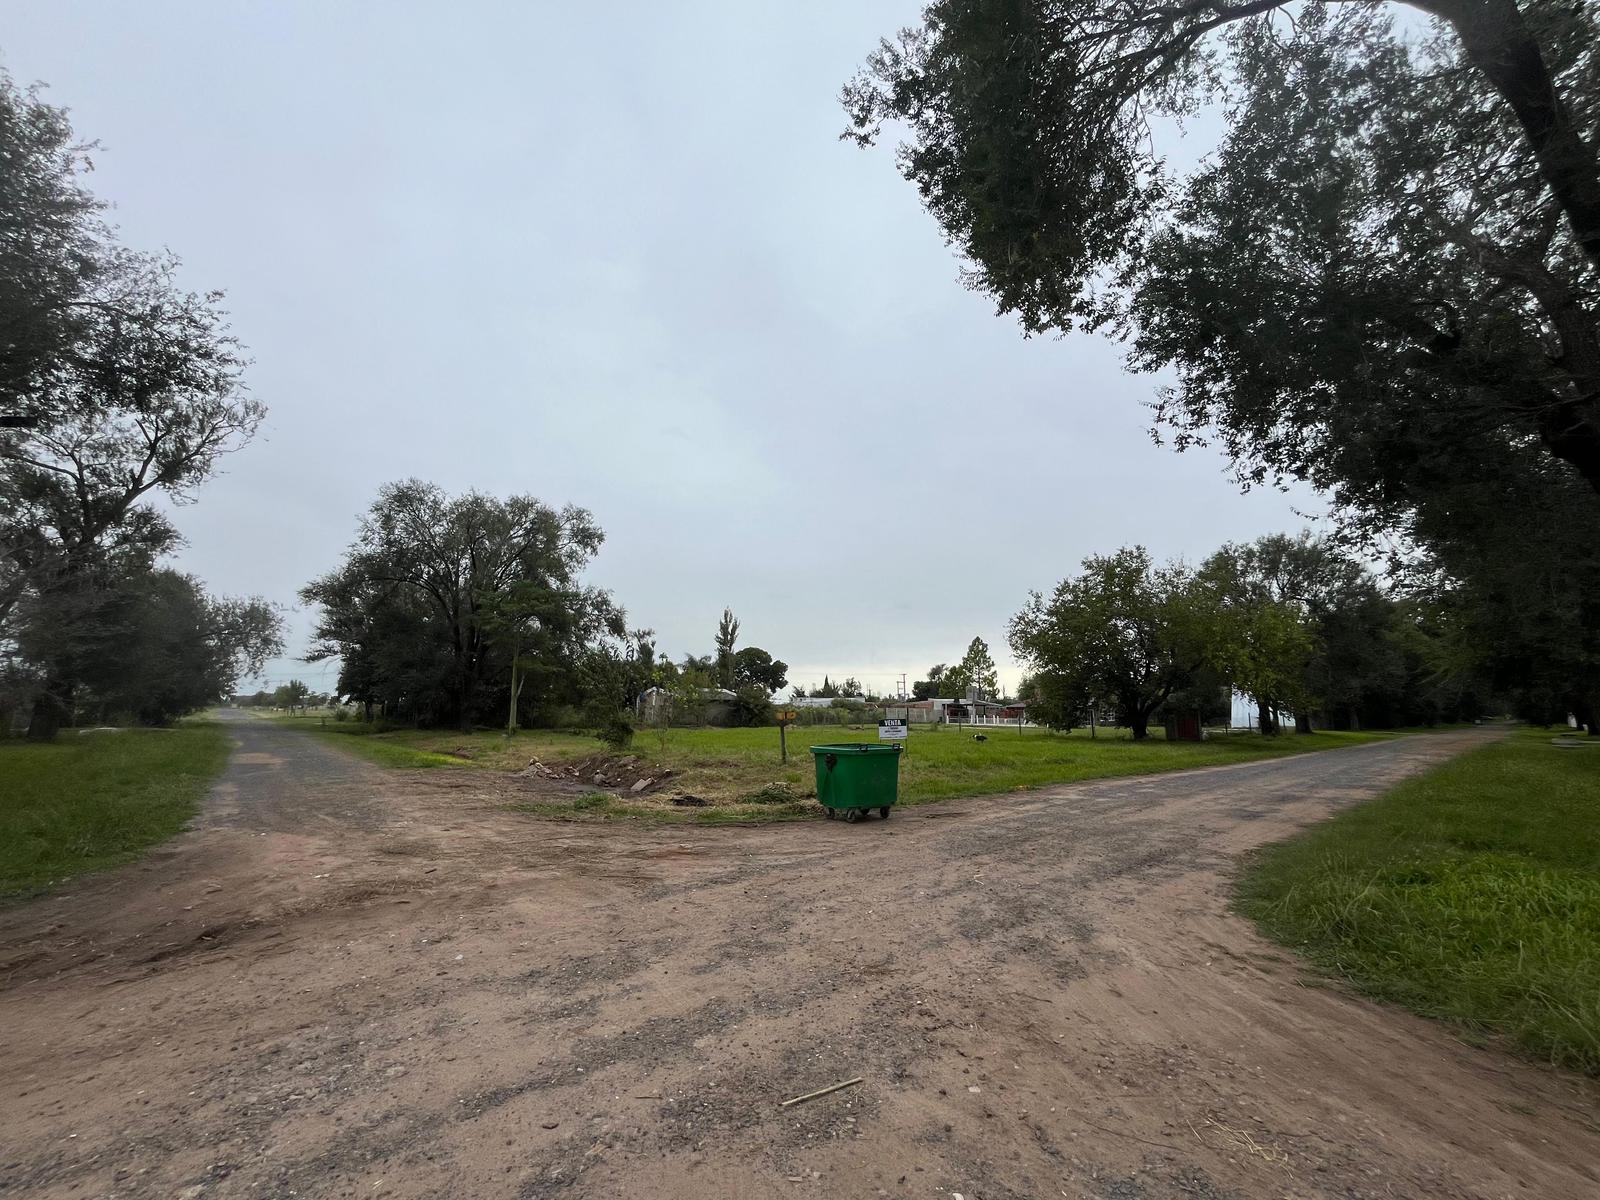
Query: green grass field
[
  {"x": 90, "y": 801},
  {"x": 729, "y": 767},
  {"x": 1471, "y": 894}
]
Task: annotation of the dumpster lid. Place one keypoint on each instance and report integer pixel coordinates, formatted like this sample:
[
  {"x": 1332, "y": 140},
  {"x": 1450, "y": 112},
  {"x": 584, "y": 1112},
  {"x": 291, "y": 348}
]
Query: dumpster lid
[{"x": 856, "y": 748}]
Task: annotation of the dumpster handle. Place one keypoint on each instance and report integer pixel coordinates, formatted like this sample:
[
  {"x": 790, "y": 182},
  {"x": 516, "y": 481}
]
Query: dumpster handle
[{"x": 830, "y": 761}]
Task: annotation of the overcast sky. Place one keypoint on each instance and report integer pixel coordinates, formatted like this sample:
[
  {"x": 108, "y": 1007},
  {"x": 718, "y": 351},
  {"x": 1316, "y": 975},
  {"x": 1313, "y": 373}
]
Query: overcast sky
[{"x": 614, "y": 255}]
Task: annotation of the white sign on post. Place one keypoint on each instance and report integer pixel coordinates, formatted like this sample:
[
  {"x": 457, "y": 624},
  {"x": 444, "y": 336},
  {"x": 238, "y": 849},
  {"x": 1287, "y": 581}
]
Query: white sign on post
[{"x": 891, "y": 730}]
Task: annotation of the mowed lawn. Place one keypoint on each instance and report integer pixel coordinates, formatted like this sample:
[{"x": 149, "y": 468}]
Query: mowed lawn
[
  {"x": 94, "y": 800},
  {"x": 733, "y": 766},
  {"x": 1471, "y": 894}
]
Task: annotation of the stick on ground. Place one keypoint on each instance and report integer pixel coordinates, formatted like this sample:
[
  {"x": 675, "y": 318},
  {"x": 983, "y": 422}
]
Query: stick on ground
[{"x": 822, "y": 1092}]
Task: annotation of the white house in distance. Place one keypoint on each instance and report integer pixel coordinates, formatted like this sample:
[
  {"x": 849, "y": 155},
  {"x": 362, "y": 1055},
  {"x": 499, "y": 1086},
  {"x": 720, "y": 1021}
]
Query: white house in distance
[
  {"x": 945, "y": 712},
  {"x": 821, "y": 701}
]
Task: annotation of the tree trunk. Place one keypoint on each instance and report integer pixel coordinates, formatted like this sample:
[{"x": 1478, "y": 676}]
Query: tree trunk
[
  {"x": 52, "y": 706},
  {"x": 1265, "y": 720},
  {"x": 1141, "y": 725},
  {"x": 516, "y": 686},
  {"x": 1302, "y": 723},
  {"x": 1497, "y": 39}
]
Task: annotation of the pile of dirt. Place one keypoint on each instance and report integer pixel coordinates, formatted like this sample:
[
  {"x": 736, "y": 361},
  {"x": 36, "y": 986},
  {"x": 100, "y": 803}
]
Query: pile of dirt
[{"x": 625, "y": 774}]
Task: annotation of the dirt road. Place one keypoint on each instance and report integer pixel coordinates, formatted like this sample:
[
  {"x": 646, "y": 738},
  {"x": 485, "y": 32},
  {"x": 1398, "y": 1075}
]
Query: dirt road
[{"x": 352, "y": 982}]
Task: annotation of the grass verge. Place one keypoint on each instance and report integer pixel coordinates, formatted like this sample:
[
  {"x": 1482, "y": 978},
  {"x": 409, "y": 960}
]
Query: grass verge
[
  {"x": 1471, "y": 894},
  {"x": 89, "y": 801}
]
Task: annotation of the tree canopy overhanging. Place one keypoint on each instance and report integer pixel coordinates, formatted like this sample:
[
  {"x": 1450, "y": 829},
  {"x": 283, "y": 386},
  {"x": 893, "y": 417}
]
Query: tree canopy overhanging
[{"x": 1396, "y": 240}]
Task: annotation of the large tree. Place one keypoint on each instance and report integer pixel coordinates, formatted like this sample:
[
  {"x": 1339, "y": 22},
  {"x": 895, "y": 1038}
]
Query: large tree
[
  {"x": 1265, "y": 640},
  {"x": 754, "y": 667},
  {"x": 117, "y": 385},
  {"x": 1126, "y": 630},
  {"x": 51, "y": 247},
  {"x": 443, "y": 599},
  {"x": 149, "y": 646},
  {"x": 1389, "y": 260},
  {"x": 939, "y": 684},
  {"x": 977, "y": 669}
]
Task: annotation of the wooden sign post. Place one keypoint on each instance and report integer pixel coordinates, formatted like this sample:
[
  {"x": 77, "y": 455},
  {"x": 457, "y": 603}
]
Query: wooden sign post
[{"x": 785, "y": 716}]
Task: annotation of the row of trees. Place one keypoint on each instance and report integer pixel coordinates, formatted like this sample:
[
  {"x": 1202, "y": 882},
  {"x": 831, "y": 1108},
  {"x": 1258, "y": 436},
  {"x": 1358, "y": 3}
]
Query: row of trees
[
  {"x": 293, "y": 695},
  {"x": 1292, "y": 623},
  {"x": 1382, "y": 281},
  {"x": 117, "y": 387}
]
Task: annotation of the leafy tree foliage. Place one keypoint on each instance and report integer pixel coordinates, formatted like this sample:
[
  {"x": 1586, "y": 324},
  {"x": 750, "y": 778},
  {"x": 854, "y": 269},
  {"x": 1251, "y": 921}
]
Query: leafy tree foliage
[
  {"x": 1126, "y": 630},
  {"x": 751, "y": 705},
  {"x": 1056, "y": 699},
  {"x": 116, "y": 386},
  {"x": 1357, "y": 655},
  {"x": 1293, "y": 623},
  {"x": 1382, "y": 282},
  {"x": 51, "y": 248},
  {"x": 610, "y": 677},
  {"x": 1510, "y": 592},
  {"x": 937, "y": 685},
  {"x": 440, "y": 595},
  {"x": 291, "y": 695},
  {"x": 1262, "y": 643},
  {"x": 977, "y": 669},
  {"x": 149, "y": 647},
  {"x": 754, "y": 667},
  {"x": 1412, "y": 222}
]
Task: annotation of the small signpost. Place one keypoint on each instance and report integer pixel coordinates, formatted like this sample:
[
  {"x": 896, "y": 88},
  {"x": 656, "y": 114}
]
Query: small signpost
[
  {"x": 892, "y": 729},
  {"x": 785, "y": 717}
]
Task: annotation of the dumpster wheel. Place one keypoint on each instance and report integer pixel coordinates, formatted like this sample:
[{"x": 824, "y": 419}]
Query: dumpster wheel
[
  {"x": 852, "y": 815},
  {"x": 884, "y": 812}
]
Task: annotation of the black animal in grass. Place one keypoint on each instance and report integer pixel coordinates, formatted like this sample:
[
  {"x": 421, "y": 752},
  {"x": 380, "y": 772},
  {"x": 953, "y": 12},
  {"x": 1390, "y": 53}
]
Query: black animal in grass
[{"x": 980, "y": 737}]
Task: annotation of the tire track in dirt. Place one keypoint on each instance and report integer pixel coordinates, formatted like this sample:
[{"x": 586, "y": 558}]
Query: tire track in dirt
[{"x": 408, "y": 991}]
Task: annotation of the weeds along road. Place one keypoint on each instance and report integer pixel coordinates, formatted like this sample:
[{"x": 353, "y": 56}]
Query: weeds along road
[{"x": 352, "y": 982}]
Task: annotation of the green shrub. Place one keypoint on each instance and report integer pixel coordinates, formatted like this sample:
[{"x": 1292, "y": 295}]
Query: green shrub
[{"x": 616, "y": 730}]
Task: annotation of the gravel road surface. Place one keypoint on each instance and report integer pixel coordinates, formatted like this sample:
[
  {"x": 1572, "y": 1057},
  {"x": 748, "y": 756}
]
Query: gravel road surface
[{"x": 348, "y": 981}]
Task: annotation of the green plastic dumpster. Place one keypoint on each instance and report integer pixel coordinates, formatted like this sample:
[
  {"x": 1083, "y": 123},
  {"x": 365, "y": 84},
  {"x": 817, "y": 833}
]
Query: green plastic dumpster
[{"x": 856, "y": 778}]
